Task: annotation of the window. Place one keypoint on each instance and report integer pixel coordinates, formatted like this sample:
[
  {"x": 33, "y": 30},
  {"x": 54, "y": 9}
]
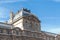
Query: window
[
  {"x": 9, "y": 31},
  {"x": 17, "y": 39},
  {"x": 25, "y": 14},
  {"x": 17, "y": 32},
  {"x": 1, "y": 31},
  {"x": 26, "y": 21},
  {"x": 14, "y": 31},
  {"x": 47, "y": 38},
  {"x": 8, "y": 39},
  {"x": 33, "y": 34},
  {"x": 51, "y": 38}
]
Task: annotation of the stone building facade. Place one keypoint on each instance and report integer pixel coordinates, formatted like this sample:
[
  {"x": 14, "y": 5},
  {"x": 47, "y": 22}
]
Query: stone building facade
[{"x": 24, "y": 26}]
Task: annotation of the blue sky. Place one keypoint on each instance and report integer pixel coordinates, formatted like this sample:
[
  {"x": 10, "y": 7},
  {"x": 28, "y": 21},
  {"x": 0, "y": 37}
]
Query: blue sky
[{"x": 48, "y": 11}]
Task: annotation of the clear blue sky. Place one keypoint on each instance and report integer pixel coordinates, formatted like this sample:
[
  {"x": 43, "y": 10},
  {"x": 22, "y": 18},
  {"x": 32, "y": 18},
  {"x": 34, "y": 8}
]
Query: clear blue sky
[{"x": 48, "y": 11}]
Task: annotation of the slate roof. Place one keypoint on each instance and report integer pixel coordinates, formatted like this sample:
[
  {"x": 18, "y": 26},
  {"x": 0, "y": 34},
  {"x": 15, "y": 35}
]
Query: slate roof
[{"x": 5, "y": 25}]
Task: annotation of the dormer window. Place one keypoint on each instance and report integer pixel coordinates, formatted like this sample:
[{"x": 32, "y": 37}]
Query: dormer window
[{"x": 25, "y": 14}]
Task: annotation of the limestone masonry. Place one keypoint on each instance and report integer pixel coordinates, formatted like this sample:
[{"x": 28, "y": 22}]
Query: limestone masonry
[{"x": 24, "y": 26}]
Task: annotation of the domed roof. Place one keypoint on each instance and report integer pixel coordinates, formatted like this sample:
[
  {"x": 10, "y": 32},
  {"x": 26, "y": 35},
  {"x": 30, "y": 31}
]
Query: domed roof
[{"x": 23, "y": 13}]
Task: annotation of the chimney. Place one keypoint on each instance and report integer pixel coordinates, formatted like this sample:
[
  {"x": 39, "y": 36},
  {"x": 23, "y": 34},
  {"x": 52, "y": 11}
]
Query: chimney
[
  {"x": 25, "y": 9},
  {"x": 11, "y": 15}
]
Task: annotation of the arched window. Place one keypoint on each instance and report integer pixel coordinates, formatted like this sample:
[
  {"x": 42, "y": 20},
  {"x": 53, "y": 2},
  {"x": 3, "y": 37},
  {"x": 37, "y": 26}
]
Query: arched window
[{"x": 17, "y": 32}]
